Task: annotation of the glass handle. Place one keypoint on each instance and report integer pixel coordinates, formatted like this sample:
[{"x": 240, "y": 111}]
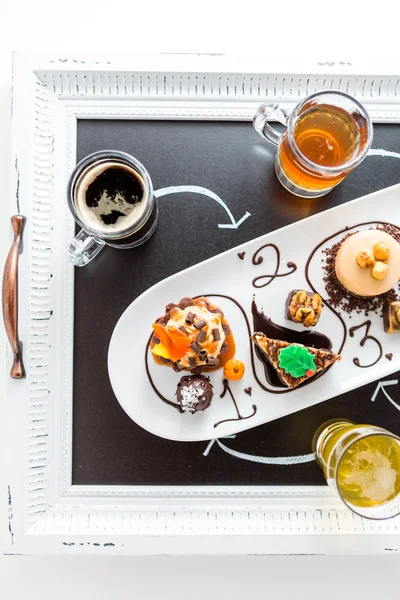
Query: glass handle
[
  {"x": 261, "y": 125},
  {"x": 84, "y": 248}
]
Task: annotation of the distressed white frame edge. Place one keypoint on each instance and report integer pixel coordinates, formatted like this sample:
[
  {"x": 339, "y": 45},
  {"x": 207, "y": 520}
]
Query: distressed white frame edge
[{"x": 46, "y": 513}]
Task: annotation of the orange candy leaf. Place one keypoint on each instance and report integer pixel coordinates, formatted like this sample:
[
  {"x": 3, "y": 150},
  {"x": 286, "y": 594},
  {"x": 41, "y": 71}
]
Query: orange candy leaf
[{"x": 173, "y": 340}]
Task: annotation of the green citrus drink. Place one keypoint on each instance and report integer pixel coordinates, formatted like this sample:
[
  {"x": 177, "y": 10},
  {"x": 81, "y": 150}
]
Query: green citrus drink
[{"x": 361, "y": 461}]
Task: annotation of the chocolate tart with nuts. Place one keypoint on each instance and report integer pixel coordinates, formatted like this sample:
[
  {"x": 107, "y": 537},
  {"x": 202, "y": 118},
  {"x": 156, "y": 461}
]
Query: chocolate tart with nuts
[
  {"x": 303, "y": 307},
  {"x": 294, "y": 363},
  {"x": 192, "y": 335}
]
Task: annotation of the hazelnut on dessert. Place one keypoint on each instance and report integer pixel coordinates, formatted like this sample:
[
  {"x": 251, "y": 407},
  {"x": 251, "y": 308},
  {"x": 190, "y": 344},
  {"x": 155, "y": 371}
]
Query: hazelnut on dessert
[
  {"x": 379, "y": 270},
  {"x": 381, "y": 251},
  {"x": 303, "y": 307},
  {"x": 364, "y": 259}
]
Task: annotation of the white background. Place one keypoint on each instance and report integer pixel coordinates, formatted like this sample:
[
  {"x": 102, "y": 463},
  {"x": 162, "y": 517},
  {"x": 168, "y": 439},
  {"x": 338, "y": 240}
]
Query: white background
[{"x": 347, "y": 30}]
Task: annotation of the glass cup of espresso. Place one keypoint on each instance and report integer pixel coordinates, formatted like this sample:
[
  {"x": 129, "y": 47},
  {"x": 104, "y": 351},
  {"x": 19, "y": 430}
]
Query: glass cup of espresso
[
  {"x": 327, "y": 135},
  {"x": 110, "y": 195}
]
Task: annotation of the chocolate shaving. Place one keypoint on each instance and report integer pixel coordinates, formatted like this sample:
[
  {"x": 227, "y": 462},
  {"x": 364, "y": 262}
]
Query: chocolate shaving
[
  {"x": 192, "y": 362},
  {"x": 201, "y": 336},
  {"x": 190, "y": 318},
  {"x": 224, "y": 347},
  {"x": 212, "y": 361},
  {"x": 203, "y": 355},
  {"x": 200, "y": 324},
  {"x": 195, "y": 347},
  {"x": 216, "y": 335},
  {"x": 182, "y": 328},
  {"x": 247, "y": 391}
]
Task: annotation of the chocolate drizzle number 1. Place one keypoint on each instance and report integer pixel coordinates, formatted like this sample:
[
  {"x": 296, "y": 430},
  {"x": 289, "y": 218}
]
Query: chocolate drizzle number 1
[
  {"x": 257, "y": 260},
  {"x": 239, "y": 416}
]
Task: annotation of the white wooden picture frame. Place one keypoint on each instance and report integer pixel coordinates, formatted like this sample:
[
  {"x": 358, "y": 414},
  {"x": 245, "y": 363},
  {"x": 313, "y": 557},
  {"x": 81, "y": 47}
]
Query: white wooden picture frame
[{"x": 47, "y": 514}]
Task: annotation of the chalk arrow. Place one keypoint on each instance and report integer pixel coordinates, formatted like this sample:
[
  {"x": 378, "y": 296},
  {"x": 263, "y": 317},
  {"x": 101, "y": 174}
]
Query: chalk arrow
[
  {"x": 196, "y": 189},
  {"x": 266, "y": 460},
  {"x": 381, "y": 386},
  {"x": 381, "y": 152}
]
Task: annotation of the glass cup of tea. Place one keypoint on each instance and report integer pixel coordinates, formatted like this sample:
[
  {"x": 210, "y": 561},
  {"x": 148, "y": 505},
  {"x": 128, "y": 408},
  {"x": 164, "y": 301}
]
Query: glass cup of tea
[
  {"x": 327, "y": 135},
  {"x": 362, "y": 464},
  {"x": 110, "y": 195}
]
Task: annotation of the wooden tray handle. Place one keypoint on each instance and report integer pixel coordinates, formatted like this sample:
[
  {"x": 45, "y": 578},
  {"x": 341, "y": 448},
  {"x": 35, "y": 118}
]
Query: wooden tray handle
[{"x": 10, "y": 296}]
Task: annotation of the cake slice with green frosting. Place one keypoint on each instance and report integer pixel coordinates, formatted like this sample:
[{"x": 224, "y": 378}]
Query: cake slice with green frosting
[{"x": 294, "y": 363}]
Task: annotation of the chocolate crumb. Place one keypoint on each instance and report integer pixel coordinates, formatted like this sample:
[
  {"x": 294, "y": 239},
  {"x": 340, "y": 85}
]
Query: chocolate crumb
[
  {"x": 389, "y": 356},
  {"x": 185, "y": 302},
  {"x": 241, "y": 255},
  {"x": 247, "y": 391},
  {"x": 170, "y": 306},
  {"x": 226, "y": 329}
]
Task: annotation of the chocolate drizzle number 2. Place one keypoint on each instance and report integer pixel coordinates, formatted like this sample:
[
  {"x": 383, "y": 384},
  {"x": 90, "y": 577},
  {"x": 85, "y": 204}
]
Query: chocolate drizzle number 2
[{"x": 257, "y": 260}]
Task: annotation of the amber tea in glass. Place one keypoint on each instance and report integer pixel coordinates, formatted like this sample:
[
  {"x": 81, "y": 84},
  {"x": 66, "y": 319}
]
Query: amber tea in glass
[{"x": 327, "y": 135}]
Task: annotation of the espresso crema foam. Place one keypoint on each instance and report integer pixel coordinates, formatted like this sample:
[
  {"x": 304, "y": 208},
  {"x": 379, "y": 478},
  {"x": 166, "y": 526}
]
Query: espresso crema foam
[{"x": 110, "y": 197}]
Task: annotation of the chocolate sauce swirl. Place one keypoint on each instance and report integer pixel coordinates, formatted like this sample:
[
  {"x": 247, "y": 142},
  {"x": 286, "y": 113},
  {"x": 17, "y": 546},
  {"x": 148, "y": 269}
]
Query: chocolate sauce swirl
[
  {"x": 239, "y": 416},
  {"x": 367, "y": 325},
  {"x": 257, "y": 260}
]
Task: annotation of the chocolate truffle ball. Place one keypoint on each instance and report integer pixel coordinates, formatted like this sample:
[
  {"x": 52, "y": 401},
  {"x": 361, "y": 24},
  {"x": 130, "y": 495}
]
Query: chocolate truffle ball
[{"x": 194, "y": 393}]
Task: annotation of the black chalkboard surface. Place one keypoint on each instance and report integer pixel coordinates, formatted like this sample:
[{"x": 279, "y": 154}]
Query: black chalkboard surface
[{"x": 230, "y": 159}]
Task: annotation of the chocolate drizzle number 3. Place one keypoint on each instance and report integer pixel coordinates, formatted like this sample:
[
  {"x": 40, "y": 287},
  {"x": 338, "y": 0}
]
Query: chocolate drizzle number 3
[
  {"x": 367, "y": 325},
  {"x": 267, "y": 279}
]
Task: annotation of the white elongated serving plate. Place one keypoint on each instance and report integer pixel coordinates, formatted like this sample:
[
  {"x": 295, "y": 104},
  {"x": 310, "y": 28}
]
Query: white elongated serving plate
[{"x": 228, "y": 275}]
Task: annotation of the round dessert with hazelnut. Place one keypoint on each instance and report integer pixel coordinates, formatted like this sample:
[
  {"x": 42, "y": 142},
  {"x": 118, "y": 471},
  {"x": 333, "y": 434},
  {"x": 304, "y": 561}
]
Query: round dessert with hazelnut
[
  {"x": 368, "y": 263},
  {"x": 193, "y": 335}
]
